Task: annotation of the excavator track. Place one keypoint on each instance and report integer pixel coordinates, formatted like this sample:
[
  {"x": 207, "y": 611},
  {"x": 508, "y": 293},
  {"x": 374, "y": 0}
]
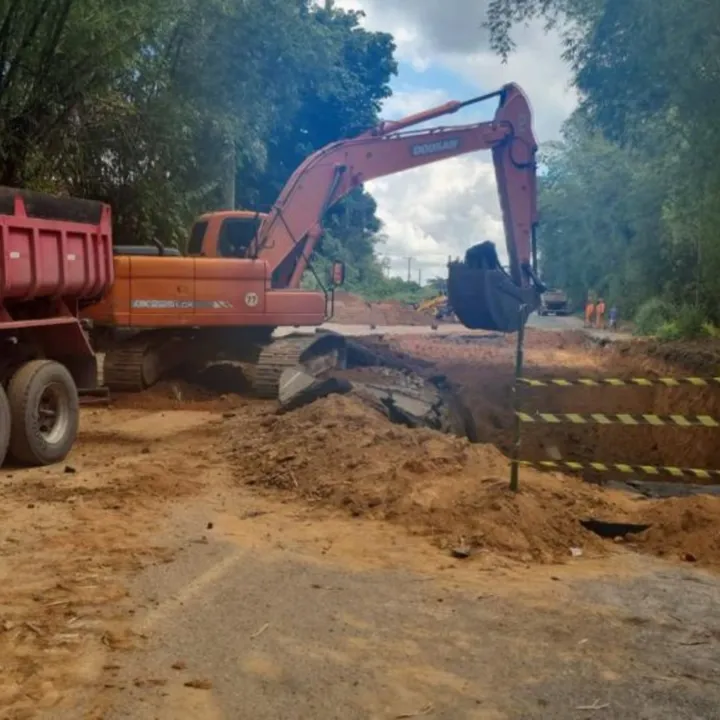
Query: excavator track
[
  {"x": 139, "y": 363},
  {"x": 131, "y": 368},
  {"x": 315, "y": 354}
]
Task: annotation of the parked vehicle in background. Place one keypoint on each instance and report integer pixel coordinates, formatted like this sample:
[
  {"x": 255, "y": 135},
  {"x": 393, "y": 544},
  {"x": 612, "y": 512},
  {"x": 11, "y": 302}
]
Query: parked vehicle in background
[{"x": 554, "y": 302}]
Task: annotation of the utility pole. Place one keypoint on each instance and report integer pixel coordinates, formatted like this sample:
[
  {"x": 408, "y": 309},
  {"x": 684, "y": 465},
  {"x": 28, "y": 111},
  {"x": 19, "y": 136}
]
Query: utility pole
[
  {"x": 419, "y": 276},
  {"x": 698, "y": 271},
  {"x": 409, "y": 268},
  {"x": 230, "y": 174}
]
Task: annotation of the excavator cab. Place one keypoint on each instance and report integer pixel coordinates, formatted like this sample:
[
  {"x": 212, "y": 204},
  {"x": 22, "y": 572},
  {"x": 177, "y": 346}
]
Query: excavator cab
[{"x": 226, "y": 234}]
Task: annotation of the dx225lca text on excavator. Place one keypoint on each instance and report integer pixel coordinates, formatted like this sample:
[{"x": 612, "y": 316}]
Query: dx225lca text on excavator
[{"x": 241, "y": 276}]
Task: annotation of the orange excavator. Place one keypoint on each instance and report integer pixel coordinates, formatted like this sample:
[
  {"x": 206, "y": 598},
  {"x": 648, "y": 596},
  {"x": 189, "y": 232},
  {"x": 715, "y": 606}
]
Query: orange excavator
[{"x": 241, "y": 276}]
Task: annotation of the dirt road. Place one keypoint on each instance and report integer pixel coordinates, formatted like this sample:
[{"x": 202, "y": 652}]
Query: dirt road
[
  {"x": 288, "y": 624},
  {"x": 549, "y": 323},
  {"x": 200, "y": 557}
]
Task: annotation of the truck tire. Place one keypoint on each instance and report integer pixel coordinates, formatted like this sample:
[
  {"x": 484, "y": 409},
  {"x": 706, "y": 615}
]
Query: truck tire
[
  {"x": 45, "y": 413},
  {"x": 5, "y": 423}
]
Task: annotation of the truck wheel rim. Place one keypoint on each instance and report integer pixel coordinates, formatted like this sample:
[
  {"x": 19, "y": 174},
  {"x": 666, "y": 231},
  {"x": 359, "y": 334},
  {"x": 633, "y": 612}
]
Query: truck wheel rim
[{"x": 53, "y": 413}]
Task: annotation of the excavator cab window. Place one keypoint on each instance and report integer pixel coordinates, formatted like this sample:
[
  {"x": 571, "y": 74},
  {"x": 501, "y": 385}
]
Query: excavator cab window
[
  {"x": 197, "y": 235},
  {"x": 236, "y": 234}
]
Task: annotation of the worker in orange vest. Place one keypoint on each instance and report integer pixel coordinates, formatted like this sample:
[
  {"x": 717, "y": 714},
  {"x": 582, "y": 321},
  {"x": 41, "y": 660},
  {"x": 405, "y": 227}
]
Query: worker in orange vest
[
  {"x": 600, "y": 314},
  {"x": 589, "y": 312}
]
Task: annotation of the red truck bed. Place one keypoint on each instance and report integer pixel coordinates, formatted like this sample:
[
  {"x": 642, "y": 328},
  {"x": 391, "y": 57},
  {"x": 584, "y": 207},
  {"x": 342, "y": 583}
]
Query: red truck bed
[
  {"x": 55, "y": 257},
  {"x": 53, "y": 248}
]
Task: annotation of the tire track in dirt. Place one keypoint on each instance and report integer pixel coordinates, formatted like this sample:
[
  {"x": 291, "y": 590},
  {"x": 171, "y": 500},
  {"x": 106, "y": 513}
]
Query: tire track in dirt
[{"x": 70, "y": 537}]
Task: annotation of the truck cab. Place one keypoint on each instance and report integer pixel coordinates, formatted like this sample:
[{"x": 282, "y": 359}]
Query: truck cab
[{"x": 554, "y": 302}]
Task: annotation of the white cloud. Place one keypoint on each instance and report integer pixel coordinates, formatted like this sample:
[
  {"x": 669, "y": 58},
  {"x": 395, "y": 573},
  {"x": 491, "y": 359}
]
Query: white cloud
[
  {"x": 537, "y": 67},
  {"x": 440, "y": 210},
  {"x": 437, "y": 211}
]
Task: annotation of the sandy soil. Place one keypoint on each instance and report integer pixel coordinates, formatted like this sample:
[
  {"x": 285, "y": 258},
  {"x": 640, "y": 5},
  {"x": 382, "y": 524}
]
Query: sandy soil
[
  {"x": 181, "y": 499},
  {"x": 71, "y": 536},
  {"x": 353, "y": 310}
]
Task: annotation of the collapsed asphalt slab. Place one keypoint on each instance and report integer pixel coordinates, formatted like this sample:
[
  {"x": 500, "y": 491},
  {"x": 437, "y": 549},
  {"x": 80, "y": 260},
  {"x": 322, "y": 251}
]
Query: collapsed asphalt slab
[{"x": 403, "y": 397}]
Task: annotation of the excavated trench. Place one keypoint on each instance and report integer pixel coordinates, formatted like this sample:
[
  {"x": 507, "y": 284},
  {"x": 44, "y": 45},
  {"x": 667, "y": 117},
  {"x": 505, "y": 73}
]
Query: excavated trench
[
  {"x": 668, "y": 445},
  {"x": 484, "y": 381}
]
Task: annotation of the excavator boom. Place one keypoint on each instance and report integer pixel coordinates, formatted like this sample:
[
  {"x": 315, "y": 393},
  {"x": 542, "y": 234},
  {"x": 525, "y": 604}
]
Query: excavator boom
[
  {"x": 166, "y": 311},
  {"x": 289, "y": 233}
]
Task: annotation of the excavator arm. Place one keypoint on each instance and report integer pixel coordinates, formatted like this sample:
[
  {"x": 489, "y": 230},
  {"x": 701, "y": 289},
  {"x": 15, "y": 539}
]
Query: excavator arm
[{"x": 287, "y": 236}]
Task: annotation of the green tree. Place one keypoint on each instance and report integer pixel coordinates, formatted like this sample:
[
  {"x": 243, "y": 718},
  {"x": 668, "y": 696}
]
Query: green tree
[
  {"x": 162, "y": 107},
  {"x": 437, "y": 285},
  {"x": 339, "y": 95},
  {"x": 159, "y": 107},
  {"x": 601, "y": 225},
  {"x": 200, "y": 104},
  {"x": 649, "y": 84},
  {"x": 57, "y": 59}
]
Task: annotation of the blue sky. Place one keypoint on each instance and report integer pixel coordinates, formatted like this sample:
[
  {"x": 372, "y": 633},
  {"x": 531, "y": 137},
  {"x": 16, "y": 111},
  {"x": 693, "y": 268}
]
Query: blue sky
[
  {"x": 442, "y": 51},
  {"x": 448, "y": 84},
  {"x": 435, "y": 76}
]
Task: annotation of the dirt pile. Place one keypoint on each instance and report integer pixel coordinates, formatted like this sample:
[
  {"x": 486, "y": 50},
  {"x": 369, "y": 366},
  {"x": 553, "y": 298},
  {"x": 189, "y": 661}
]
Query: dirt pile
[
  {"x": 353, "y": 310},
  {"x": 682, "y": 529},
  {"x": 341, "y": 453}
]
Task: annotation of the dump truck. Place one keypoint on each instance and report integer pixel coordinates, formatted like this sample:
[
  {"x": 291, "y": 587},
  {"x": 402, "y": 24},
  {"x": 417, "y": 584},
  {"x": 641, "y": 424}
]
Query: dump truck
[
  {"x": 554, "y": 302},
  {"x": 56, "y": 257}
]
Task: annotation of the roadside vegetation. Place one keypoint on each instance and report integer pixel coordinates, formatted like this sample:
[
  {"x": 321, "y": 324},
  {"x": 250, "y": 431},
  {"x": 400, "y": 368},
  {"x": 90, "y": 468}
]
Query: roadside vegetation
[
  {"x": 167, "y": 108},
  {"x": 630, "y": 200}
]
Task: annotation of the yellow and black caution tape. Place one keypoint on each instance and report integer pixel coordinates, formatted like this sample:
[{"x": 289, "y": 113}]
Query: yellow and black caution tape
[
  {"x": 620, "y": 419},
  {"x": 617, "y": 382},
  {"x": 622, "y": 468}
]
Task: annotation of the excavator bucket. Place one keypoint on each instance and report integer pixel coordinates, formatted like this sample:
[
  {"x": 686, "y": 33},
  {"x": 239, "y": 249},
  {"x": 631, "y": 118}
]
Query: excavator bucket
[{"x": 484, "y": 296}]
